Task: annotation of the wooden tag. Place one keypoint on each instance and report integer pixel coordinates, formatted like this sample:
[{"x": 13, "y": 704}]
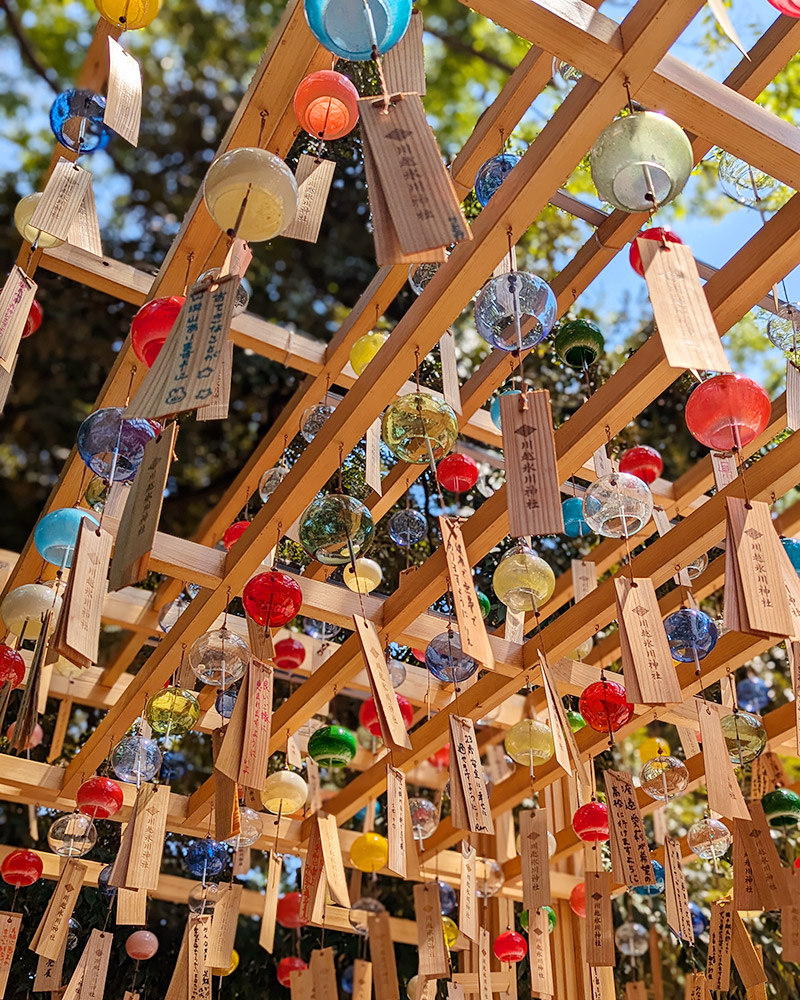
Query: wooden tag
[
  {"x": 745, "y": 956},
  {"x": 381, "y": 951},
  {"x": 404, "y": 63},
  {"x": 455, "y": 991},
  {"x": 678, "y": 916},
  {"x": 123, "y": 111},
  {"x": 467, "y": 905},
  {"x": 178, "y": 988},
  {"x": 219, "y": 404},
  {"x": 646, "y": 654},
  {"x": 260, "y": 639},
  {"x": 484, "y": 966},
  {"x": 420, "y": 196},
  {"x": 147, "y": 841},
  {"x": 227, "y": 819},
  {"x": 791, "y": 582},
  {"x": 584, "y": 578},
  {"x": 695, "y": 987},
  {"x": 199, "y": 971},
  {"x": 89, "y": 979},
  {"x": 362, "y": 979},
  {"x": 725, "y": 471},
  {"x": 464, "y": 747},
  {"x": 372, "y": 457},
  {"x": 602, "y": 463},
  {"x": 720, "y": 937},
  {"x": 599, "y": 920},
  {"x": 393, "y": 729},
  {"x": 535, "y": 860},
  {"x": 266, "y": 936},
  {"x": 228, "y": 760},
  {"x": 630, "y": 857},
  {"x": 258, "y": 725},
  {"x": 332, "y": 859},
  {"x": 16, "y": 300},
  {"x": 766, "y": 774},
  {"x": 656, "y": 965},
  {"x": 413, "y": 870},
  {"x": 635, "y": 989},
  {"x": 49, "y": 972},
  {"x": 396, "y": 808},
  {"x": 471, "y": 626},
  {"x": 792, "y": 396},
  {"x": 131, "y": 907},
  {"x": 50, "y": 937},
  {"x": 753, "y": 541},
  {"x": 129, "y": 995},
  {"x": 601, "y": 983},
  {"x": 314, "y": 786},
  {"x": 61, "y": 199},
  {"x": 514, "y": 629},
  {"x": 540, "y": 961},
  {"x": 87, "y": 584},
  {"x": 451, "y": 385},
  {"x": 182, "y": 377},
  {"x": 753, "y": 838},
  {"x": 532, "y": 486},
  {"x": 9, "y": 932},
  {"x": 223, "y": 926},
  {"x": 293, "y": 753},
  {"x": 566, "y": 748},
  {"x": 790, "y": 933},
  {"x": 683, "y": 316},
  {"x": 724, "y": 795},
  {"x": 85, "y": 229},
  {"x": 314, "y": 177},
  {"x": 323, "y": 974},
  {"x": 301, "y": 985},
  {"x": 315, "y": 884},
  {"x": 6, "y": 379},
  {"x": 139, "y": 522}
]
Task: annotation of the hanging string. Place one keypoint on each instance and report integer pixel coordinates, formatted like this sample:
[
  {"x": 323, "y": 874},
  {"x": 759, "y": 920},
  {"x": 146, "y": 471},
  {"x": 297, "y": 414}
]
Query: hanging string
[{"x": 189, "y": 259}]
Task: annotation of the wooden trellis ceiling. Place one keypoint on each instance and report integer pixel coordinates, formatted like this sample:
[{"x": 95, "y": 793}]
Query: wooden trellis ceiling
[{"x": 609, "y": 55}]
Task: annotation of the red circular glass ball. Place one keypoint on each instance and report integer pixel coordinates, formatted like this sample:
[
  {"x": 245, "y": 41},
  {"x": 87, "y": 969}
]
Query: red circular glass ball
[
  {"x": 643, "y": 462},
  {"x": 289, "y": 653},
  {"x": 99, "y": 797},
  {"x": 326, "y": 104},
  {"x": 457, "y": 473},
  {"x": 797, "y": 862},
  {"x": 441, "y": 758},
  {"x": 590, "y": 822},
  {"x": 368, "y": 714},
  {"x": 151, "y": 325},
  {"x": 36, "y": 737},
  {"x": 577, "y": 900},
  {"x": 12, "y": 666},
  {"x": 418, "y": 654},
  {"x": 288, "y": 911},
  {"x": 272, "y": 598},
  {"x": 287, "y": 966},
  {"x": 510, "y": 947},
  {"x": 34, "y": 320},
  {"x": 656, "y": 233},
  {"x": 234, "y": 533},
  {"x": 604, "y": 706},
  {"x": 141, "y": 945},
  {"x": 21, "y": 868},
  {"x": 727, "y": 412}
]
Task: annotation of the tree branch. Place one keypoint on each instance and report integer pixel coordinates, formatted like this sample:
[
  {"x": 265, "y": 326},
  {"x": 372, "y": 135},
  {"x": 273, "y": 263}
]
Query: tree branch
[
  {"x": 26, "y": 49},
  {"x": 460, "y": 46}
]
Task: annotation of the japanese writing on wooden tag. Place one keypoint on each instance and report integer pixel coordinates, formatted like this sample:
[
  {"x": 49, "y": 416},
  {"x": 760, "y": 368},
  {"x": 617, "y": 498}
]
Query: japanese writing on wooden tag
[
  {"x": 451, "y": 386},
  {"x": 315, "y": 884},
  {"x": 584, "y": 578},
  {"x": 61, "y": 199},
  {"x": 266, "y": 936},
  {"x": 678, "y": 916},
  {"x": 89, "y": 978},
  {"x": 85, "y": 229},
  {"x": 223, "y": 925},
  {"x": 599, "y": 919},
  {"x": 182, "y": 376},
  {"x": 630, "y": 857},
  {"x": 49, "y": 972},
  {"x": 720, "y": 936},
  {"x": 218, "y": 405},
  {"x": 696, "y": 987},
  {"x": 314, "y": 176},
  {"x": 147, "y": 840},
  {"x": 484, "y": 966},
  {"x": 393, "y": 729},
  {"x": 724, "y": 795},
  {"x": 467, "y": 897},
  {"x": 650, "y": 676},
  {"x": 404, "y": 63},
  {"x": 539, "y": 958},
  {"x": 362, "y": 980},
  {"x": 77, "y": 634},
  {"x": 724, "y": 467},
  {"x": 381, "y": 950},
  {"x": 16, "y": 300},
  {"x": 434, "y": 960},
  {"x": 761, "y": 879},
  {"x": 790, "y": 932},
  {"x": 602, "y": 463},
  {"x": 535, "y": 859},
  {"x": 566, "y": 747},
  {"x": 199, "y": 972},
  {"x": 9, "y": 932},
  {"x": 323, "y": 974},
  {"x": 464, "y": 748},
  {"x": 420, "y": 196},
  {"x": 532, "y": 488},
  {"x": 258, "y": 725},
  {"x": 396, "y": 806},
  {"x": 683, "y": 316},
  {"x": 51, "y": 935},
  {"x": 123, "y": 111},
  {"x": 471, "y": 627},
  {"x": 766, "y": 774},
  {"x": 332, "y": 859},
  {"x": 372, "y": 456}
]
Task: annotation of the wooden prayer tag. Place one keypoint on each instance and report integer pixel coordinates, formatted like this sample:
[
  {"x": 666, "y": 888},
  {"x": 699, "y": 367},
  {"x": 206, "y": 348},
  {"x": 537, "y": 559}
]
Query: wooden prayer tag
[
  {"x": 764, "y": 880},
  {"x": 333, "y": 861},
  {"x": 178, "y": 988},
  {"x": 434, "y": 959},
  {"x": 451, "y": 385},
  {"x": 384, "y": 965},
  {"x": 131, "y": 907},
  {"x": 678, "y": 916},
  {"x": 260, "y": 639},
  {"x": 226, "y": 791},
  {"x": 535, "y": 861},
  {"x": 584, "y": 578},
  {"x": 266, "y": 937},
  {"x": 85, "y": 229},
  {"x": 745, "y": 957},
  {"x": 223, "y": 925},
  {"x": 301, "y": 985},
  {"x": 16, "y": 300},
  {"x": 635, "y": 990},
  {"x": 51, "y": 934},
  {"x": 467, "y": 898},
  {"x": 199, "y": 971},
  {"x": 404, "y": 63},
  {"x": 314, "y": 176},
  {"x": 696, "y": 987},
  {"x": 720, "y": 936},
  {"x": 89, "y": 979},
  {"x": 471, "y": 627},
  {"x": 790, "y": 933},
  {"x": 566, "y": 747},
  {"x": 514, "y": 630},
  {"x": 61, "y": 199},
  {"x": 630, "y": 856},
  {"x": 393, "y": 728},
  {"x": 484, "y": 966},
  {"x": 77, "y": 635},
  {"x": 49, "y": 972},
  {"x": 9, "y": 932},
  {"x": 725, "y": 470},
  {"x": 646, "y": 656},
  {"x": 314, "y": 785},
  {"x": 323, "y": 974},
  {"x": 217, "y": 408},
  {"x": 532, "y": 486},
  {"x": 464, "y": 746},
  {"x": 792, "y": 396},
  {"x": 362, "y": 979},
  {"x": 767, "y": 773},
  {"x": 315, "y": 884},
  {"x": 422, "y": 201},
  {"x": 372, "y": 453},
  {"x": 724, "y": 795},
  {"x": 182, "y": 376},
  {"x": 124, "y": 93},
  {"x": 599, "y": 920},
  {"x": 683, "y": 317},
  {"x": 793, "y": 655},
  {"x": 656, "y": 965},
  {"x": 6, "y": 378},
  {"x": 396, "y": 807},
  {"x": 258, "y": 726},
  {"x": 539, "y": 957},
  {"x": 147, "y": 841}
]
